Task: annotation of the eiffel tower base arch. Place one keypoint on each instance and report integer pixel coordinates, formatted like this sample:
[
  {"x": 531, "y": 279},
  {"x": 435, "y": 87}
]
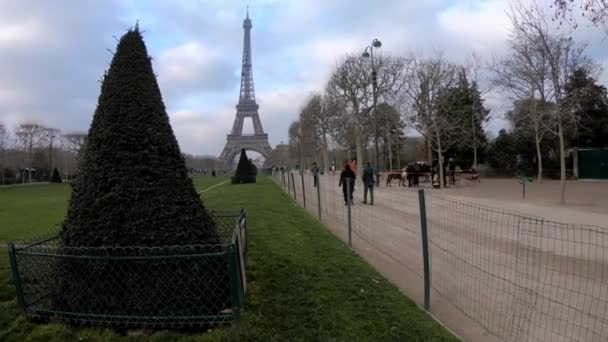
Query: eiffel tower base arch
[{"x": 235, "y": 143}]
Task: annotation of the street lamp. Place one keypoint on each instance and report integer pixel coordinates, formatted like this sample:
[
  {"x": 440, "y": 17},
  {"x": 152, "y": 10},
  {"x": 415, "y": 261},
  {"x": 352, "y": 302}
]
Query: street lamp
[{"x": 369, "y": 53}]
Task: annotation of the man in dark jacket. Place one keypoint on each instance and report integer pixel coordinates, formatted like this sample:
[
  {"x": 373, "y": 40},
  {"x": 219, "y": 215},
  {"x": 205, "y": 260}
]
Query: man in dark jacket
[
  {"x": 368, "y": 183},
  {"x": 315, "y": 174},
  {"x": 347, "y": 177}
]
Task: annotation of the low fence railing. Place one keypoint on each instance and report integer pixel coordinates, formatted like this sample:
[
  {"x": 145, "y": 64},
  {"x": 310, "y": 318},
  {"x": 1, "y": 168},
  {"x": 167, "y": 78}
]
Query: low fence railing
[
  {"x": 517, "y": 276},
  {"x": 160, "y": 287}
]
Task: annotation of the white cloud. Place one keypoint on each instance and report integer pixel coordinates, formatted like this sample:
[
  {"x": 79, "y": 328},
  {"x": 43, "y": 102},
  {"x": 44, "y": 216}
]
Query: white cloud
[
  {"x": 26, "y": 32},
  {"x": 193, "y": 67},
  {"x": 483, "y": 25}
]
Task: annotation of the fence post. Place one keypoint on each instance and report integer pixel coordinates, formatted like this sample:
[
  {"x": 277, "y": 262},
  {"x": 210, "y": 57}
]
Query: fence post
[
  {"x": 283, "y": 180},
  {"x": 425, "y": 250},
  {"x": 319, "y": 196},
  {"x": 16, "y": 279},
  {"x": 303, "y": 189},
  {"x": 348, "y": 204},
  {"x": 234, "y": 275},
  {"x": 293, "y": 182}
]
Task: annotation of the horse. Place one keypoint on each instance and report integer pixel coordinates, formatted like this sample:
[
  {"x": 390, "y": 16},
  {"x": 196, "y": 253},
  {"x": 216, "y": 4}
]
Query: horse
[{"x": 393, "y": 175}]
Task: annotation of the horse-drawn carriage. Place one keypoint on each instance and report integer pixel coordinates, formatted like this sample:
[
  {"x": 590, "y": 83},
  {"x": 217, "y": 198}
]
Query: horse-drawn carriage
[{"x": 421, "y": 172}]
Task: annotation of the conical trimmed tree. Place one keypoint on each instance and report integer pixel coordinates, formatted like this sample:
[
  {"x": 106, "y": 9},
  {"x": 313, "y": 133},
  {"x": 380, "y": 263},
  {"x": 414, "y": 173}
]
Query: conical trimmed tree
[
  {"x": 133, "y": 189},
  {"x": 244, "y": 172},
  {"x": 55, "y": 178}
]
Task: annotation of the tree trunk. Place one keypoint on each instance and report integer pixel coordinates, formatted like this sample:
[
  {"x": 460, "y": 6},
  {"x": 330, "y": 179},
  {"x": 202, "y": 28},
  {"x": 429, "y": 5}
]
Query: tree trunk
[
  {"x": 325, "y": 155},
  {"x": 398, "y": 155},
  {"x": 539, "y": 159},
  {"x": 389, "y": 144},
  {"x": 562, "y": 161},
  {"x": 359, "y": 144},
  {"x": 429, "y": 148},
  {"x": 440, "y": 162},
  {"x": 474, "y": 138}
]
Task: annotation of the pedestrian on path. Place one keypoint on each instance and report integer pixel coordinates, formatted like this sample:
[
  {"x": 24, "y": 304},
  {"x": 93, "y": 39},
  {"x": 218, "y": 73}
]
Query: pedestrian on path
[
  {"x": 347, "y": 177},
  {"x": 353, "y": 165},
  {"x": 315, "y": 174},
  {"x": 368, "y": 183}
]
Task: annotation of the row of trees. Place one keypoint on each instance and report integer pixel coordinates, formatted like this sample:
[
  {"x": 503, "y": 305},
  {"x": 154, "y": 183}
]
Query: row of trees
[
  {"x": 34, "y": 150},
  {"x": 440, "y": 99},
  {"x": 546, "y": 74}
]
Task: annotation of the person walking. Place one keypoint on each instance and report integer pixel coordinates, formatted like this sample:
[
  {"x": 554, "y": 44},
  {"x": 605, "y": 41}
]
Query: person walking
[
  {"x": 353, "y": 165},
  {"x": 347, "y": 177},
  {"x": 368, "y": 183},
  {"x": 452, "y": 170},
  {"x": 315, "y": 174}
]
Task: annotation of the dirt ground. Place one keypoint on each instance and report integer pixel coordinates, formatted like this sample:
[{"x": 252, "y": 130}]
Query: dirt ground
[{"x": 501, "y": 268}]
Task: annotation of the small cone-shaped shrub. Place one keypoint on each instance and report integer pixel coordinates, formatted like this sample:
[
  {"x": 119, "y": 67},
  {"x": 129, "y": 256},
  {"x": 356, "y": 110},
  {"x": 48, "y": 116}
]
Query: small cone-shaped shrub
[
  {"x": 244, "y": 172},
  {"x": 133, "y": 189},
  {"x": 55, "y": 178}
]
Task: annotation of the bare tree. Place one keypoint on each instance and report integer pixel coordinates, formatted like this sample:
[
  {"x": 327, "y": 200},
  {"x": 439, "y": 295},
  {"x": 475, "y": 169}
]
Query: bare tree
[
  {"x": 318, "y": 115},
  {"x": 563, "y": 57},
  {"x": 3, "y": 142},
  {"x": 594, "y": 10},
  {"x": 390, "y": 133},
  {"x": 473, "y": 67},
  {"x": 524, "y": 75},
  {"x": 30, "y": 135},
  {"x": 428, "y": 80},
  {"x": 350, "y": 85}
]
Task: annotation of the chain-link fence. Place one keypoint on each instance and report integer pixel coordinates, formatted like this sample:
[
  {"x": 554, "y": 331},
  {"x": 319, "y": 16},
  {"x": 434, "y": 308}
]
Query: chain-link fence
[
  {"x": 517, "y": 276},
  {"x": 160, "y": 287}
]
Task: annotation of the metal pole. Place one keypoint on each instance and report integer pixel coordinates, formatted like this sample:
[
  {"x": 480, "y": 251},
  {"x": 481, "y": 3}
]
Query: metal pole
[
  {"x": 16, "y": 279},
  {"x": 303, "y": 189},
  {"x": 425, "y": 250},
  {"x": 374, "y": 86},
  {"x": 234, "y": 277},
  {"x": 319, "y": 197},
  {"x": 349, "y": 202}
]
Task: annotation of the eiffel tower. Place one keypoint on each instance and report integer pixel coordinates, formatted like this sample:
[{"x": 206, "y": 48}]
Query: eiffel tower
[{"x": 246, "y": 108}]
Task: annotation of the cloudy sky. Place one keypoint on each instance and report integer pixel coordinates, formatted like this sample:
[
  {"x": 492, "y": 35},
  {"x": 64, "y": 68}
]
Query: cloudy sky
[{"x": 53, "y": 53}]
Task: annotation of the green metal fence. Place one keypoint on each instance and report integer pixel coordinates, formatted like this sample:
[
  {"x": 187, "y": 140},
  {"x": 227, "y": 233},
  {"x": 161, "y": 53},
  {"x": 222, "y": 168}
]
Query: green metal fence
[
  {"x": 483, "y": 270},
  {"x": 159, "y": 287}
]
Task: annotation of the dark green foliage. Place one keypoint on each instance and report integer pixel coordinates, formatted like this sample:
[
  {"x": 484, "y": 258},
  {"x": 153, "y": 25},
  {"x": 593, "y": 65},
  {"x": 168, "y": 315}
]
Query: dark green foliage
[
  {"x": 464, "y": 105},
  {"x": 502, "y": 154},
  {"x": 245, "y": 170},
  {"x": 589, "y": 103},
  {"x": 253, "y": 168},
  {"x": 55, "y": 178},
  {"x": 133, "y": 187}
]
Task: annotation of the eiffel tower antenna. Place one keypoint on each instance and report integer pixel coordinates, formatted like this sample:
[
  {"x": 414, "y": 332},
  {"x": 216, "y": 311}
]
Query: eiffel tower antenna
[{"x": 246, "y": 108}]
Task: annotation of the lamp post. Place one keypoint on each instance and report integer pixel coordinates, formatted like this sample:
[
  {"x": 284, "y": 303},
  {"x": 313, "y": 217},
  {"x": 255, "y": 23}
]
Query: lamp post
[{"x": 369, "y": 53}]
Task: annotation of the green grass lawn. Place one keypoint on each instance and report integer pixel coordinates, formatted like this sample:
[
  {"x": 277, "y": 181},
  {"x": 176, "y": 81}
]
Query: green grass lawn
[
  {"x": 305, "y": 284},
  {"x": 28, "y": 211}
]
